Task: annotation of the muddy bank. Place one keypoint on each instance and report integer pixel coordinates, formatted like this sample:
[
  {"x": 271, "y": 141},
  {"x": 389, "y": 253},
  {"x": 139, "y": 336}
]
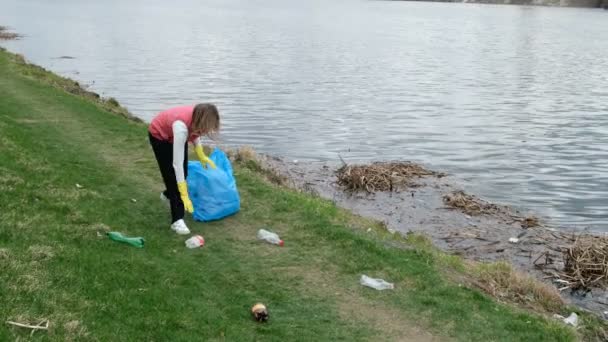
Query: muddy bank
[{"x": 458, "y": 223}]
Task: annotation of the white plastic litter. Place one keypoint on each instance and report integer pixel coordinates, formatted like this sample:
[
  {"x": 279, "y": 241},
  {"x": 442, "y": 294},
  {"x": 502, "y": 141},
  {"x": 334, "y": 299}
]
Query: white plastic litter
[
  {"x": 572, "y": 319},
  {"x": 79, "y": 186},
  {"x": 195, "y": 242},
  {"x": 269, "y": 237},
  {"x": 513, "y": 240},
  {"x": 378, "y": 284}
]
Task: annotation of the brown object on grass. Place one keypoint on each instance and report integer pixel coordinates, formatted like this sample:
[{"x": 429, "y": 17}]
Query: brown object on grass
[
  {"x": 381, "y": 176},
  {"x": 259, "y": 312}
]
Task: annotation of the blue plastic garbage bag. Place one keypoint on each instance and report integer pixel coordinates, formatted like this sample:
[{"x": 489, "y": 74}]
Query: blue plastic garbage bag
[{"x": 213, "y": 191}]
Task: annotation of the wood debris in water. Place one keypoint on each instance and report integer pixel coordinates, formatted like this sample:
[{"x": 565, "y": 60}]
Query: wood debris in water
[
  {"x": 530, "y": 222},
  {"x": 5, "y": 35},
  {"x": 470, "y": 205},
  {"x": 381, "y": 176},
  {"x": 586, "y": 262}
]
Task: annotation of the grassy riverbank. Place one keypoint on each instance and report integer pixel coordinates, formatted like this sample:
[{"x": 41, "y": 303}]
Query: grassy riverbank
[{"x": 56, "y": 264}]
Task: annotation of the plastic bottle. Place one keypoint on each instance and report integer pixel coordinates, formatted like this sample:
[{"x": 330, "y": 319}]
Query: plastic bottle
[
  {"x": 195, "y": 242},
  {"x": 269, "y": 237},
  {"x": 133, "y": 241},
  {"x": 378, "y": 284}
]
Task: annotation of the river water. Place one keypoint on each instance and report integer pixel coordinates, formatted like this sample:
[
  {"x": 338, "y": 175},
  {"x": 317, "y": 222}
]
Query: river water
[{"x": 511, "y": 100}]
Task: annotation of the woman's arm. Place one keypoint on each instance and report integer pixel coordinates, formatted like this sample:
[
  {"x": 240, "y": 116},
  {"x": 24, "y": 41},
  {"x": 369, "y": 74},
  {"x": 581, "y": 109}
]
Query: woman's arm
[{"x": 180, "y": 136}]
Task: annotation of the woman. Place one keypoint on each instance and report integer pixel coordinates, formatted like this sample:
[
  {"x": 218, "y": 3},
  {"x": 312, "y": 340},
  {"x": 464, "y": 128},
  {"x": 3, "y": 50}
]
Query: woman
[{"x": 169, "y": 133}]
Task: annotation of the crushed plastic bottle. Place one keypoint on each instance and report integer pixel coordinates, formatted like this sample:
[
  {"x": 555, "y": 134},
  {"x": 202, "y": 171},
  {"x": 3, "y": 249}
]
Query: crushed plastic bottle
[
  {"x": 270, "y": 237},
  {"x": 572, "y": 320},
  {"x": 133, "y": 241},
  {"x": 378, "y": 284},
  {"x": 195, "y": 242}
]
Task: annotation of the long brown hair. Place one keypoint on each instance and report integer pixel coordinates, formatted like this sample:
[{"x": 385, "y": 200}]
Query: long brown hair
[{"x": 206, "y": 120}]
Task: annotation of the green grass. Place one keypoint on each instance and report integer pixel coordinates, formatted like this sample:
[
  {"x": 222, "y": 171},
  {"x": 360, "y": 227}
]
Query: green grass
[{"x": 55, "y": 265}]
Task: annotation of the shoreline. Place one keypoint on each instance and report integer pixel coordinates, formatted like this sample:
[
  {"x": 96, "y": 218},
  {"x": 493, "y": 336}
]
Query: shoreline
[
  {"x": 421, "y": 209},
  {"x": 322, "y": 179},
  {"x": 87, "y": 286}
]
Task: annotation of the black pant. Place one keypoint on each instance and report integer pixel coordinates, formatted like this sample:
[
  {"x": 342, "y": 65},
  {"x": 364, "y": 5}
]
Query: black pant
[{"x": 163, "y": 150}]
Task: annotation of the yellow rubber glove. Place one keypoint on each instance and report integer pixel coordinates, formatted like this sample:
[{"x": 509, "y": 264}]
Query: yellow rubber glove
[
  {"x": 183, "y": 192},
  {"x": 203, "y": 157}
]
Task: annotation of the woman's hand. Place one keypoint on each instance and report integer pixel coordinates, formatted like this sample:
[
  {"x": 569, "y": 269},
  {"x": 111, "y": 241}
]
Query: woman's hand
[
  {"x": 205, "y": 161},
  {"x": 183, "y": 193}
]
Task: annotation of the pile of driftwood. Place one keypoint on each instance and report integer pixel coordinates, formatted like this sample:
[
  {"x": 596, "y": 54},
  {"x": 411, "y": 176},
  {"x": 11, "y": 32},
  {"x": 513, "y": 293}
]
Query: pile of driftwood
[
  {"x": 381, "y": 176},
  {"x": 586, "y": 262},
  {"x": 470, "y": 205}
]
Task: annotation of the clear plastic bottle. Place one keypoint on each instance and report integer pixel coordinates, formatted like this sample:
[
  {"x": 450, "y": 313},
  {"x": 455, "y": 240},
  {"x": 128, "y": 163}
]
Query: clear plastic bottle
[
  {"x": 269, "y": 237},
  {"x": 195, "y": 242},
  {"x": 378, "y": 284}
]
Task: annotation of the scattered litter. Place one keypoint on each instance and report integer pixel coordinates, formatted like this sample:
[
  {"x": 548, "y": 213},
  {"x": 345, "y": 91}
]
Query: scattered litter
[
  {"x": 378, "y": 284},
  {"x": 260, "y": 312},
  {"x": 79, "y": 186},
  {"x": 295, "y": 161},
  {"x": 133, "y": 200},
  {"x": 270, "y": 237},
  {"x": 572, "y": 319},
  {"x": 133, "y": 241},
  {"x": 380, "y": 176},
  {"x": 195, "y": 242},
  {"x": 99, "y": 234},
  {"x": 369, "y": 230},
  {"x": 513, "y": 240}
]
